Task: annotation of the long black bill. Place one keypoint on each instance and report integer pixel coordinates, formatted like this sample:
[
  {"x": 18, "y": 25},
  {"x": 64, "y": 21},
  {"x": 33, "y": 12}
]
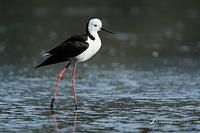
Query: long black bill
[{"x": 107, "y": 31}]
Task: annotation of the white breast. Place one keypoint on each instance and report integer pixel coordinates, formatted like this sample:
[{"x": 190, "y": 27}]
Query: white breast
[{"x": 94, "y": 46}]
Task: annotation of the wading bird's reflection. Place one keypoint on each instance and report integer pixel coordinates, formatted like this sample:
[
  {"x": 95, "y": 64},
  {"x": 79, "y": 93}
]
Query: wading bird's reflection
[
  {"x": 54, "y": 117},
  {"x": 56, "y": 123},
  {"x": 74, "y": 125}
]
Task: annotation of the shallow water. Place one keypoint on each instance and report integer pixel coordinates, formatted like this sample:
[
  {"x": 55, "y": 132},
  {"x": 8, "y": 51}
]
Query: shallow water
[{"x": 159, "y": 97}]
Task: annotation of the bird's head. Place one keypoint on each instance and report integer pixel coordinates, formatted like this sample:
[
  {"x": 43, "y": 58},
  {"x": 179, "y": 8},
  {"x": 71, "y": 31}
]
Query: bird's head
[{"x": 95, "y": 25}]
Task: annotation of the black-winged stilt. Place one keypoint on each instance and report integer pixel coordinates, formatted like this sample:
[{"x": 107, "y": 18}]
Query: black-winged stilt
[{"x": 77, "y": 48}]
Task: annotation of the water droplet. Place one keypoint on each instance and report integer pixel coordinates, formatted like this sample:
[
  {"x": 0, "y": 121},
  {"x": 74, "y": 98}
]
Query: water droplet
[{"x": 155, "y": 54}]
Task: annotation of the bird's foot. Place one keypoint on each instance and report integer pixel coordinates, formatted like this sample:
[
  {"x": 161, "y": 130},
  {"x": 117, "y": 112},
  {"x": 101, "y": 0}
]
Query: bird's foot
[{"x": 51, "y": 106}]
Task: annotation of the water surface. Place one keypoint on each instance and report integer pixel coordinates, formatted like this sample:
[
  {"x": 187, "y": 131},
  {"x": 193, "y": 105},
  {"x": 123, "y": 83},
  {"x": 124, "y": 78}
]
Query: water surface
[{"x": 111, "y": 98}]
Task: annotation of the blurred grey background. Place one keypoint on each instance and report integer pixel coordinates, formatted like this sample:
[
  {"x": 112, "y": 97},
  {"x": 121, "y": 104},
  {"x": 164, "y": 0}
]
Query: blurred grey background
[{"x": 145, "y": 28}]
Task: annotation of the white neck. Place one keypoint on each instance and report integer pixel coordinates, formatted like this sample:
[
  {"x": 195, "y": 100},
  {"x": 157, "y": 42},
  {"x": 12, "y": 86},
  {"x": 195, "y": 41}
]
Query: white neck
[{"x": 94, "y": 33}]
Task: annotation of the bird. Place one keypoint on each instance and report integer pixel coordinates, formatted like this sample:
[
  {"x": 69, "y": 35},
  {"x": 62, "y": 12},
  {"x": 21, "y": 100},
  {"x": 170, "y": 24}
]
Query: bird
[{"x": 77, "y": 48}]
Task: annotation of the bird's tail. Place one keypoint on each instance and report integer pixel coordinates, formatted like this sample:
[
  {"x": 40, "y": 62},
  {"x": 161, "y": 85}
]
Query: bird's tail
[{"x": 52, "y": 60}]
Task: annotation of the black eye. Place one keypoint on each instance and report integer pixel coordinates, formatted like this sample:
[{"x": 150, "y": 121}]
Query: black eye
[{"x": 95, "y": 25}]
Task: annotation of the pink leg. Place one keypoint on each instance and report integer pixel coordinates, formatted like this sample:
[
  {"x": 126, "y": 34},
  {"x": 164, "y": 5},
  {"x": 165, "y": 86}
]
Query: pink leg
[
  {"x": 73, "y": 82},
  {"x": 59, "y": 76}
]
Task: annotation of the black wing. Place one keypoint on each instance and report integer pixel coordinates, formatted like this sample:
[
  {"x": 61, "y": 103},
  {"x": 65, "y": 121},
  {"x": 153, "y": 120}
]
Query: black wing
[{"x": 69, "y": 48}]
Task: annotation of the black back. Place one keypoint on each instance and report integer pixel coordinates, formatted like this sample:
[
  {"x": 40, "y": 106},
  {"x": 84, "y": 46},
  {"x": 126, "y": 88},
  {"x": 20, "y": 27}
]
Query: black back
[{"x": 70, "y": 48}]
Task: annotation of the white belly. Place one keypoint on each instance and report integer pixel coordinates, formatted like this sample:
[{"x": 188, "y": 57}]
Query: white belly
[{"x": 94, "y": 46}]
